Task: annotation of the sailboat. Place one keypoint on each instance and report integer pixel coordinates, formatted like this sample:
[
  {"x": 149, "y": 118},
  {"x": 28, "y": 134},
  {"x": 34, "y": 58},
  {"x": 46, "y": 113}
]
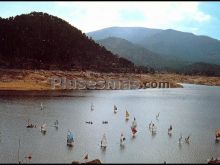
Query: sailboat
[
  {"x": 213, "y": 161},
  {"x": 122, "y": 140},
  {"x": 86, "y": 157},
  {"x": 170, "y": 130},
  {"x": 29, "y": 157},
  {"x": 70, "y": 139},
  {"x": 92, "y": 107},
  {"x": 115, "y": 109},
  {"x": 217, "y": 134},
  {"x": 127, "y": 115},
  {"x": 157, "y": 116},
  {"x": 180, "y": 139},
  {"x": 187, "y": 139},
  {"x": 104, "y": 142},
  {"x": 29, "y": 125},
  {"x": 41, "y": 106},
  {"x": 152, "y": 128},
  {"x": 134, "y": 123},
  {"x": 43, "y": 128},
  {"x": 134, "y": 127},
  {"x": 56, "y": 123}
]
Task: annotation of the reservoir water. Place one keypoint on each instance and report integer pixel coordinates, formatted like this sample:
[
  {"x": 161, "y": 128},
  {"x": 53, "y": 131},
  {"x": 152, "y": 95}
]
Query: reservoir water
[{"x": 193, "y": 110}]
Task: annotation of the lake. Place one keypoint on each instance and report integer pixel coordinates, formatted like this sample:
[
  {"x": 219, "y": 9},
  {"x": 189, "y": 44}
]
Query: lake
[{"x": 193, "y": 110}]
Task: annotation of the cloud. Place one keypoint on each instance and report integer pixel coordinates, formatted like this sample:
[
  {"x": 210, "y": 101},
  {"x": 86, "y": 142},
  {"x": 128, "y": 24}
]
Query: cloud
[{"x": 89, "y": 16}]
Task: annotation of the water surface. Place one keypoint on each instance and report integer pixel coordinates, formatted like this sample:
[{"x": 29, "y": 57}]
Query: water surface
[{"x": 192, "y": 110}]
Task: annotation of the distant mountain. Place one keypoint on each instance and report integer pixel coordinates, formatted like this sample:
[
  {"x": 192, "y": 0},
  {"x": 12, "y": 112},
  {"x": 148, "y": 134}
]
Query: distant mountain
[
  {"x": 139, "y": 55},
  {"x": 168, "y": 43},
  {"x": 42, "y": 41},
  {"x": 132, "y": 34},
  {"x": 186, "y": 46}
]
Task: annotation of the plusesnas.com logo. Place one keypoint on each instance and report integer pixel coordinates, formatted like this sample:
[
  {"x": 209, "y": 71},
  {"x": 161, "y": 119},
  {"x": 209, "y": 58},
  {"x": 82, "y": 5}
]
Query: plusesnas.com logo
[{"x": 125, "y": 84}]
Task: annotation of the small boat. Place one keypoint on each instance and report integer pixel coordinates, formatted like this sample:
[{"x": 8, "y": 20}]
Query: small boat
[
  {"x": 217, "y": 134},
  {"x": 104, "y": 142},
  {"x": 150, "y": 125},
  {"x": 43, "y": 128},
  {"x": 70, "y": 139},
  {"x": 56, "y": 123},
  {"x": 214, "y": 161},
  {"x": 89, "y": 122},
  {"x": 134, "y": 127},
  {"x": 157, "y": 116},
  {"x": 41, "y": 106},
  {"x": 187, "y": 139},
  {"x": 180, "y": 139},
  {"x": 29, "y": 157},
  {"x": 127, "y": 115},
  {"x": 122, "y": 140},
  {"x": 153, "y": 128},
  {"x": 29, "y": 125},
  {"x": 170, "y": 129},
  {"x": 115, "y": 109},
  {"x": 104, "y": 122},
  {"x": 86, "y": 157},
  {"x": 92, "y": 107},
  {"x": 134, "y": 123}
]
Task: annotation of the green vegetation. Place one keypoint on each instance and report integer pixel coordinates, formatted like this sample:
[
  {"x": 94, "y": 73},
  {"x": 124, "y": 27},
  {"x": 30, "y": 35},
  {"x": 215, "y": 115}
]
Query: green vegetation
[{"x": 41, "y": 41}]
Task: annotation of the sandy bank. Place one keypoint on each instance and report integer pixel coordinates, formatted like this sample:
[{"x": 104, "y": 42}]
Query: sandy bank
[{"x": 41, "y": 79}]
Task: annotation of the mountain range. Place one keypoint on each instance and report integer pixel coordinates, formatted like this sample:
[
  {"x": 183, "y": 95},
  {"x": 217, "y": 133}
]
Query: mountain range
[
  {"x": 167, "y": 49},
  {"x": 42, "y": 41}
]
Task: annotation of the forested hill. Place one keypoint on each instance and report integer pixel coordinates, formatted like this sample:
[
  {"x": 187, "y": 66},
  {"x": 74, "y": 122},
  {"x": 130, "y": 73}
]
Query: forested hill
[{"x": 42, "y": 41}]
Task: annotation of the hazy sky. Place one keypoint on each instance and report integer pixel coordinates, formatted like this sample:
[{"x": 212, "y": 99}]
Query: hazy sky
[{"x": 201, "y": 18}]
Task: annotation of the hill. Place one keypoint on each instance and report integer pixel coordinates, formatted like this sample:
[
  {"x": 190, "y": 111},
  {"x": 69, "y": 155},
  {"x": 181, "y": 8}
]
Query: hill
[
  {"x": 42, "y": 41},
  {"x": 202, "y": 69}
]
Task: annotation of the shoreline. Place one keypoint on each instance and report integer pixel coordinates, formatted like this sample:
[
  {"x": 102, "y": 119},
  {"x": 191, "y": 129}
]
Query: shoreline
[{"x": 39, "y": 80}]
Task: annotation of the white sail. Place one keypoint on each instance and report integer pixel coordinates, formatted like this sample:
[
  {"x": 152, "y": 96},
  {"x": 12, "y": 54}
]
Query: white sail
[
  {"x": 104, "y": 141},
  {"x": 134, "y": 123},
  {"x": 44, "y": 128}
]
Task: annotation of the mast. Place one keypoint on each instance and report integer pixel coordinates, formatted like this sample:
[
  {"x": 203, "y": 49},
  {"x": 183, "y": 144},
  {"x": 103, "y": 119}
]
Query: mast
[{"x": 19, "y": 151}]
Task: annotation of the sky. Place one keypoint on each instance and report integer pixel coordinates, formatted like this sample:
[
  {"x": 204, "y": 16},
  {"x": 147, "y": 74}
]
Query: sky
[{"x": 201, "y": 18}]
